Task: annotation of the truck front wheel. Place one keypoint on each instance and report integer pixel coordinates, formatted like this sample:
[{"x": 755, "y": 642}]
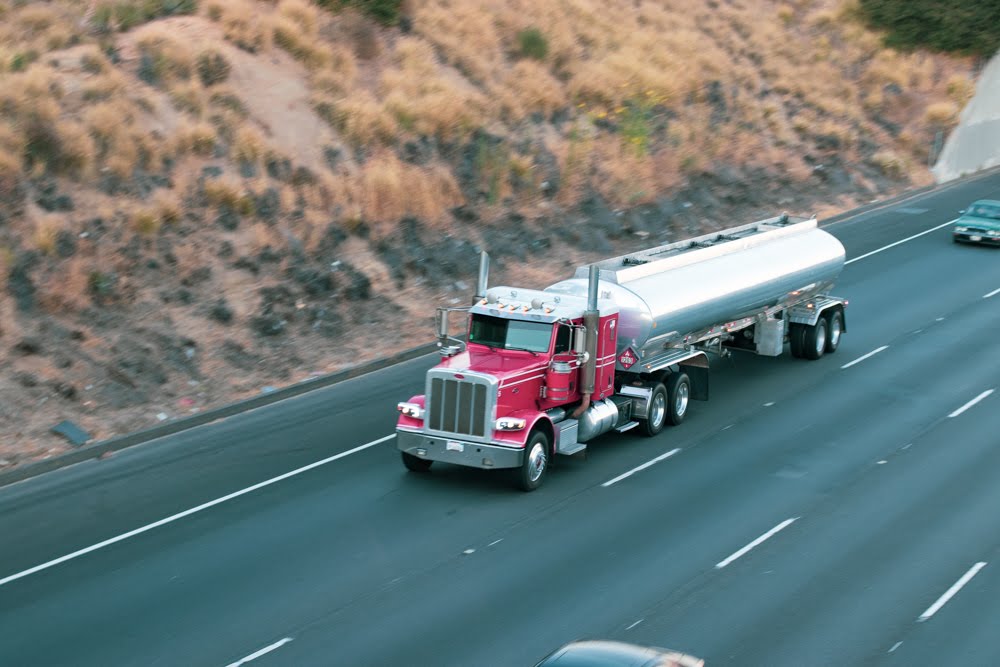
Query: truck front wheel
[
  {"x": 656, "y": 416},
  {"x": 678, "y": 397},
  {"x": 535, "y": 466},
  {"x": 415, "y": 463}
]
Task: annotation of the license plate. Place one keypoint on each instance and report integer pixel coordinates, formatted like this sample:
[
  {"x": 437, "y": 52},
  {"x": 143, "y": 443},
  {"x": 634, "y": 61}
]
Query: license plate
[
  {"x": 453, "y": 446},
  {"x": 975, "y": 238}
]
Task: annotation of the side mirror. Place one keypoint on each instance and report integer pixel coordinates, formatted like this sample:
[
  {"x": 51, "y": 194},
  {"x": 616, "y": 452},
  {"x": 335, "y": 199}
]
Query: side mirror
[
  {"x": 579, "y": 341},
  {"x": 441, "y": 323}
]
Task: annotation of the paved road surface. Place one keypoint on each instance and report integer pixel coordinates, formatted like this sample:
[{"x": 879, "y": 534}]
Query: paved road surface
[{"x": 816, "y": 513}]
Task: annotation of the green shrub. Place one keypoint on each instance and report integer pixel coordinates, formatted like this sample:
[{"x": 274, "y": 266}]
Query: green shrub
[
  {"x": 124, "y": 15},
  {"x": 956, "y": 26},
  {"x": 532, "y": 43},
  {"x": 386, "y": 12}
]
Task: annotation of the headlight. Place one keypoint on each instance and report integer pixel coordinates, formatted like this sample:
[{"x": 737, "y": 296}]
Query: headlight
[
  {"x": 993, "y": 232},
  {"x": 510, "y": 424},
  {"x": 411, "y": 410},
  {"x": 961, "y": 229}
]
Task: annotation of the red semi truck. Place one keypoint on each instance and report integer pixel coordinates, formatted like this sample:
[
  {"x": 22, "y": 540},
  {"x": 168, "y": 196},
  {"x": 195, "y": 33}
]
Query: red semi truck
[{"x": 623, "y": 344}]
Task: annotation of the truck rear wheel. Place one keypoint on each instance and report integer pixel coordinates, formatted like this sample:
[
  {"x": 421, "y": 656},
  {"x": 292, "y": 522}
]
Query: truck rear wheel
[
  {"x": 535, "y": 466},
  {"x": 656, "y": 417},
  {"x": 415, "y": 463},
  {"x": 834, "y": 329},
  {"x": 795, "y": 335},
  {"x": 678, "y": 397},
  {"x": 814, "y": 340}
]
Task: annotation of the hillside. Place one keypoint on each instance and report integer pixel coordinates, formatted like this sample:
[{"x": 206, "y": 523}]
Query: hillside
[{"x": 200, "y": 200}]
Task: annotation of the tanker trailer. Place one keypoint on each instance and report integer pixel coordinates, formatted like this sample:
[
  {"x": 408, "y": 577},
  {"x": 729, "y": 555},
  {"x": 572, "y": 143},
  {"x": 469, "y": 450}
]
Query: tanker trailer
[{"x": 622, "y": 344}]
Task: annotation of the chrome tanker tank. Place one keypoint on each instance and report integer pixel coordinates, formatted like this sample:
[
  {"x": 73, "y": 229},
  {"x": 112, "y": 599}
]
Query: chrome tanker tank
[{"x": 670, "y": 294}]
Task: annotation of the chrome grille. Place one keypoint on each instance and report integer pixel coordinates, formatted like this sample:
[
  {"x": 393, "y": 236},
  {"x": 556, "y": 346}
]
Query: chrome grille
[{"x": 457, "y": 406}]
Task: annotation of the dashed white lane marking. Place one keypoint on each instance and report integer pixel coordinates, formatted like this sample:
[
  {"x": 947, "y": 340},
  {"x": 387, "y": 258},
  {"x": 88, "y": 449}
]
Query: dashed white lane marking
[
  {"x": 495, "y": 542},
  {"x": 900, "y": 242},
  {"x": 264, "y": 651},
  {"x": 993, "y": 293},
  {"x": 189, "y": 512},
  {"x": 950, "y": 593},
  {"x": 866, "y": 356},
  {"x": 769, "y": 404},
  {"x": 895, "y": 646},
  {"x": 760, "y": 540},
  {"x": 971, "y": 403},
  {"x": 634, "y": 624},
  {"x": 642, "y": 467}
]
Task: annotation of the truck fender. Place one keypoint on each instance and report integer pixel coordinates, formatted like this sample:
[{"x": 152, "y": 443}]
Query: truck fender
[
  {"x": 534, "y": 421},
  {"x": 411, "y": 422}
]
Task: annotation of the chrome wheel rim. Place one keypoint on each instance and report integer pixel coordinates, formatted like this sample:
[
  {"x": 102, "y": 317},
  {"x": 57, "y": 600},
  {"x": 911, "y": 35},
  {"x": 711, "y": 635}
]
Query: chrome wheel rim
[
  {"x": 658, "y": 410},
  {"x": 834, "y": 331},
  {"x": 536, "y": 462},
  {"x": 821, "y": 337},
  {"x": 681, "y": 400}
]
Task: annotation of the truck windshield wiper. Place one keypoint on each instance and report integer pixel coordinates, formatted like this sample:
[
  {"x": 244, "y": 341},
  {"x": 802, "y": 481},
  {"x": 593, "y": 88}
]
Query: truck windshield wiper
[{"x": 521, "y": 349}]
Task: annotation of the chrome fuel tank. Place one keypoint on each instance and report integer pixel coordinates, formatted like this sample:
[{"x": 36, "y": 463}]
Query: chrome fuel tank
[{"x": 670, "y": 292}]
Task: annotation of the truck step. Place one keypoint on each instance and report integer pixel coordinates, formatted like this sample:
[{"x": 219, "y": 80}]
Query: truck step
[
  {"x": 575, "y": 448},
  {"x": 627, "y": 427}
]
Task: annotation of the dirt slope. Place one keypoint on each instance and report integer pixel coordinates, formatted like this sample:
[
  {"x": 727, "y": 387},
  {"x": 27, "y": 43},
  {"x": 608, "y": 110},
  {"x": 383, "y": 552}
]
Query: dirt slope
[{"x": 196, "y": 207}]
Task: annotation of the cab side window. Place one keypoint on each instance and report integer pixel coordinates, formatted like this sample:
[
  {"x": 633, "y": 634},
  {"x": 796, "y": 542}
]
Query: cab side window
[{"x": 563, "y": 339}]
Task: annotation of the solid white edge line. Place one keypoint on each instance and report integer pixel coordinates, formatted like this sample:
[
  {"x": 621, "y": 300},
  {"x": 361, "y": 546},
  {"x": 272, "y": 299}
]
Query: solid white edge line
[
  {"x": 865, "y": 356},
  {"x": 971, "y": 403},
  {"x": 264, "y": 651},
  {"x": 766, "y": 536},
  {"x": 893, "y": 245},
  {"x": 189, "y": 512},
  {"x": 642, "y": 467},
  {"x": 993, "y": 293},
  {"x": 950, "y": 593}
]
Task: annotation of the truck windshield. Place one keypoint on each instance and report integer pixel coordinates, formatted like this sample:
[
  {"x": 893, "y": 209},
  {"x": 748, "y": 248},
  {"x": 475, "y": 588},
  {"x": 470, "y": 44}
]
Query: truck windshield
[{"x": 510, "y": 334}]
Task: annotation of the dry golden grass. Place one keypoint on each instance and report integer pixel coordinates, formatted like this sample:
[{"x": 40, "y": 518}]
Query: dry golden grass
[
  {"x": 195, "y": 138},
  {"x": 388, "y": 189},
  {"x": 171, "y": 57},
  {"x": 942, "y": 114},
  {"x": 46, "y": 230},
  {"x": 243, "y": 23},
  {"x": 248, "y": 144},
  {"x": 360, "y": 117}
]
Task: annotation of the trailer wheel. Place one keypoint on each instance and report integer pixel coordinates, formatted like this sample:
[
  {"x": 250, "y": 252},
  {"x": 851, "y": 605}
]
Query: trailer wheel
[
  {"x": 795, "y": 336},
  {"x": 678, "y": 397},
  {"x": 834, "y": 329},
  {"x": 415, "y": 463},
  {"x": 656, "y": 418},
  {"x": 532, "y": 472},
  {"x": 814, "y": 340}
]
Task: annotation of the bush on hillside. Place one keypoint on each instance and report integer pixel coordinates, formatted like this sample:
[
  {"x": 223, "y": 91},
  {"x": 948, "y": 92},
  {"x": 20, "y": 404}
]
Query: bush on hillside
[
  {"x": 386, "y": 12},
  {"x": 532, "y": 43},
  {"x": 956, "y": 26},
  {"x": 124, "y": 15}
]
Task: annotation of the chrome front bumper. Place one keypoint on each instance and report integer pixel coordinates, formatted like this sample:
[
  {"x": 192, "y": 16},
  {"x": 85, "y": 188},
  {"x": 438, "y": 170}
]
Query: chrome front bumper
[{"x": 459, "y": 452}]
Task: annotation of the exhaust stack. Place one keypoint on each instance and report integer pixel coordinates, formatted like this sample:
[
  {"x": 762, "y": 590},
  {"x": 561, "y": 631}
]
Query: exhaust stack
[
  {"x": 591, "y": 317},
  {"x": 484, "y": 275}
]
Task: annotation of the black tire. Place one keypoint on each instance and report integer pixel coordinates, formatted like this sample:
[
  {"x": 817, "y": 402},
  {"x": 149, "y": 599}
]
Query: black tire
[
  {"x": 795, "y": 335},
  {"x": 415, "y": 463},
  {"x": 834, "y": 330},
  {"x": 814, "y": 340},
  {"x": 534, "y": 468},
  {"x": 678, "y": 397},
  {"x": 657, "y": 417}
]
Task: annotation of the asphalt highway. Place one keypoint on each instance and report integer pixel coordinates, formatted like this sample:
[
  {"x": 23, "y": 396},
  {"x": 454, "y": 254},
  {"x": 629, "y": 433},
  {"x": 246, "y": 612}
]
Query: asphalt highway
[{"x": 837, "y": 512}]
